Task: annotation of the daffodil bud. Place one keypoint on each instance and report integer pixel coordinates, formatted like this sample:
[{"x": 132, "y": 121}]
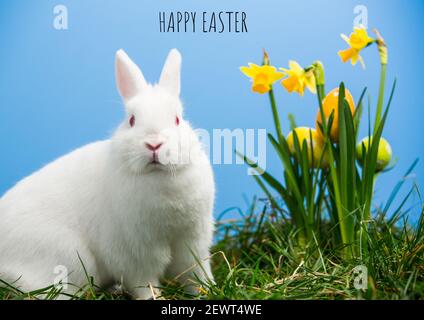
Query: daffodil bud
[
  {"x": 384, "y": 153},
  {"x": 319, "y": 73},
  {"x": 382, "y": 47},
  {"x": 265, "y": 60}
]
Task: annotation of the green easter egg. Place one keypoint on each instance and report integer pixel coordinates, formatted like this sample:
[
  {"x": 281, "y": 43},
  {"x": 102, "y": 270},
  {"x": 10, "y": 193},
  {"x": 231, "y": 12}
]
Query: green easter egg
[{"x": 384, "y": 154}]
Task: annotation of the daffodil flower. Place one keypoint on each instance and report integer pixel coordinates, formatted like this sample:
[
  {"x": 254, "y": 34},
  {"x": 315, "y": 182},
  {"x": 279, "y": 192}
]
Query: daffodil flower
[
  {"x": 263, "y": 76},
  {"x": 298, "y": 79},
  {"x": 357, "y": 41}
]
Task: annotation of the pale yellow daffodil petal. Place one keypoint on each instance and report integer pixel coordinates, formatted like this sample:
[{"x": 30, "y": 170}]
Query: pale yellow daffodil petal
[
  {"x": 361, "y": 61},
  {"x": 345, "y": 38},
  {"x": 295, "y": 67},
  {"x": 248, "y": 71},
  {"x": 310, "y": 83}
]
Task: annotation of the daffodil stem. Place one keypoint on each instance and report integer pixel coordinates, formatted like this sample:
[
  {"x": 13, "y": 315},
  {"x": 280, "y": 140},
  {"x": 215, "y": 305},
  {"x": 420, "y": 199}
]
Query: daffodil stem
[
  {"x": 321, "y": 89},
  {"x": 275, "y": 116},
  {"x": 380, "y": 96},
  {"x": 347, "y": 241},
  {"x": 366, "y": 217}
]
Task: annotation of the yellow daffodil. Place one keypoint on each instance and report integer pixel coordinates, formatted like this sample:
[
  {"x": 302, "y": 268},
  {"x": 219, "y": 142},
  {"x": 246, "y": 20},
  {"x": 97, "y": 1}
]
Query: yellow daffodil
[
  {"x": 357, "y": 41},
  {"x": 297, "y": 79},
  {"x": 263, "y": 76}
]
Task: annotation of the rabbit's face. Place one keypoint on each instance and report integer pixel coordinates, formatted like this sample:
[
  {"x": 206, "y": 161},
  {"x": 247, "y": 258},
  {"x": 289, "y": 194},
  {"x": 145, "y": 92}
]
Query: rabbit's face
[{"x": 154, "y": 136}]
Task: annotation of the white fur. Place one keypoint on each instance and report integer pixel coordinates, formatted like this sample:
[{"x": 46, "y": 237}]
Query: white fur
[{"x": 129, "y": 221}]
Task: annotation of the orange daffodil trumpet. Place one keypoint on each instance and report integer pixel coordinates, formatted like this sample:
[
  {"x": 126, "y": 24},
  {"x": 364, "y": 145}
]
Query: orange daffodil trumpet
[
  {"x": 298, "y": 78},
  {"x": 262, "y": 76},
  {"x": 357, "y": 41}
]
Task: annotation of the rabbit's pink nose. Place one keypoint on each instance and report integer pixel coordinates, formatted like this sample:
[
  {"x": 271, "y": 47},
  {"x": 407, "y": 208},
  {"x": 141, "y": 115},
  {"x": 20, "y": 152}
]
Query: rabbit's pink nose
[{"x": 153, "y": 147}]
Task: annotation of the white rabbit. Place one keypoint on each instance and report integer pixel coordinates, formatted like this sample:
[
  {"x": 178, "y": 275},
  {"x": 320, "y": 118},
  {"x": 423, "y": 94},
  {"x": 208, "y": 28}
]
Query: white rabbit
[{"x": 134, "y": 208}]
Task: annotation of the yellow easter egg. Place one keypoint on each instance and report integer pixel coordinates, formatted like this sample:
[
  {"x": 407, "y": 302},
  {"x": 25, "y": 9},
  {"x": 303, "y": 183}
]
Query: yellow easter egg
[
  {"x": 305, "y": 134},
  {"x": 329, "y": 105}
]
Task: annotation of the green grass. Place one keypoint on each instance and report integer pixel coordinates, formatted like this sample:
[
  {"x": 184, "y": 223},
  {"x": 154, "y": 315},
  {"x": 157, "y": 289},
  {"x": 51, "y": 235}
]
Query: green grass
[
  {"x": 268, "y": 263},
  {"x": 258, "y": 257}
]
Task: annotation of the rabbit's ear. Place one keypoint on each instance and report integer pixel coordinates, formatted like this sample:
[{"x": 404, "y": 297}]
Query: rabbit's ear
[
  {"x": 129, "y": 78},
  {"x": 170, "y": 76}
]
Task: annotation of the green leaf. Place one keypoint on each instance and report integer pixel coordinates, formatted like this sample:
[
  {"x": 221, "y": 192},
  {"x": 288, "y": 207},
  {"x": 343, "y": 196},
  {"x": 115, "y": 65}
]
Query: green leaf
[
  {"x": 358, "y": 112},
  {"x": 398, "y": 186},
  {"x": 371, "y": 158},
  {"x": 292, "y": 121},
  {"x": 345, "y": 166},
  {"x": 265, "y": 175},
  {"x": 283, "y": 152}
]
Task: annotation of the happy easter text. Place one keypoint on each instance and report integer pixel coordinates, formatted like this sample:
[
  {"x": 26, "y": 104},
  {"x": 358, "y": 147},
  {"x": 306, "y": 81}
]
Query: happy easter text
[{"x": 205, "y": 22}]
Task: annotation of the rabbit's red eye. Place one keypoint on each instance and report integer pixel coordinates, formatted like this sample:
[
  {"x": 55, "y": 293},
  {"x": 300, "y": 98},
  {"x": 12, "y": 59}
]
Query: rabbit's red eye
[
  {"x": 132, "y": 121},
  {"x": 177, "y": 121}
]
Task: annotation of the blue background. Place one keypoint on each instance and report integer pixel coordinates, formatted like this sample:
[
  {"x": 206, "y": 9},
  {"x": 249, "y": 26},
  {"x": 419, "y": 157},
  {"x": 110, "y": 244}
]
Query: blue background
[{"x": 57, "y": 89}]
